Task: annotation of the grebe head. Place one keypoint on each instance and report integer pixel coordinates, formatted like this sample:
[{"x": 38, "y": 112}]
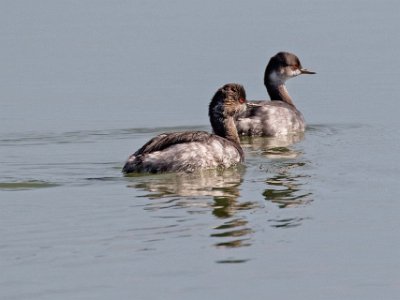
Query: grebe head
[
  {"x": 228, "y": 101},
  {"x": 283, "y": 66}
]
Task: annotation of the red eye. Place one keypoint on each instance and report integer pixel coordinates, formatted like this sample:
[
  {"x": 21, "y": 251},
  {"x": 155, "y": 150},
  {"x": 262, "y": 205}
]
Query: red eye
[{"x": 241, "y": 100}]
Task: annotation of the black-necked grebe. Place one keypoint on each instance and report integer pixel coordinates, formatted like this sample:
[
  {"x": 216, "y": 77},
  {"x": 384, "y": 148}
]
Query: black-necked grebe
[
  {"x": 192, "y": 150},
  {"x": 278, "y": 116}
]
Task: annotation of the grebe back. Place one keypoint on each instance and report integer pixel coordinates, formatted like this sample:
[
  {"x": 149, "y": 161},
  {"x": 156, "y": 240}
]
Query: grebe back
[
  {"x": 278, "y": 116},
  {"x": 192, "y": 150}
]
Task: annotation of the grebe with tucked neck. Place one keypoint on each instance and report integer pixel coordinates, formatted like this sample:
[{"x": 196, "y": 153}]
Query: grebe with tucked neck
[
  {"x": 192, "y": 150},
  {"x": 278, "y": 116}
]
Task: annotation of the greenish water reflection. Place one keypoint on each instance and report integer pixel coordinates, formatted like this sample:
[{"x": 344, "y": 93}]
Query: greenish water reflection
[
  {"x": 272, "y": 147},
  {"x": 285, "y": 189},
  {"x": 193, "y": 192},
  {"x": 219, "y": 191},
  {"x": 26, "y": 185}
]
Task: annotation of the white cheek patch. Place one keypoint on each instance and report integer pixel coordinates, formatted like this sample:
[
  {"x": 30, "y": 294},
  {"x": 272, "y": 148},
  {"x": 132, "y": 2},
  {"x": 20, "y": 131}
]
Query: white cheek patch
[
  {"x": 275, "y": 78},
  {"x": 295, "y": 72}
]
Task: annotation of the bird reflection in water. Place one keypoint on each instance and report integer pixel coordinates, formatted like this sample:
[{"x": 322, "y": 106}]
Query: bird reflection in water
[
  {"x": 192, "y": 192},
  {"x": 235, "y": 231},
  {"x": 213, "y": 182},
  {"x": 272, "y": 147},
  {"x": 286, "y": 189},
  {"x": 286, "y": 170}
]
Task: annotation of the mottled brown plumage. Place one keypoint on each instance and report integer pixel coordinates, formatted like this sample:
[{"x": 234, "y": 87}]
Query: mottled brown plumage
[
  {"x": 278, "y": 116},
  {"x": 193, "y": 150}
]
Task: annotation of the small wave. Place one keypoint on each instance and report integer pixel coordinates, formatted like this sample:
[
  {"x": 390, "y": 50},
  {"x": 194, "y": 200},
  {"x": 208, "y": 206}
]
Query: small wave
[
  {"x": 26, "y": 185},
  {"x": 84, "y": 136},
  {"x": 332, "y": 129}
]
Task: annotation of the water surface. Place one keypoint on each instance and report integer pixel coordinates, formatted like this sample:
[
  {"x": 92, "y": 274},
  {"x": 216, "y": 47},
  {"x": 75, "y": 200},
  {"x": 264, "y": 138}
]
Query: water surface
[{"x": 311, "y": 216}]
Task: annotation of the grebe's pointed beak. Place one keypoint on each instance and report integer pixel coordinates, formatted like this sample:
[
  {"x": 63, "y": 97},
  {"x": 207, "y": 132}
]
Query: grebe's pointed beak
[
  {"x": 305, "y": 71},
  {"x": 252, "y": 104}
]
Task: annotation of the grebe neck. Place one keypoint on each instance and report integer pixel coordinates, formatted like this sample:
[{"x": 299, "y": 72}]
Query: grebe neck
[
  {"x": 223, "y": 109},
  {"x": 279, "y": 92},
  {"x": 231, "y": 132},
  {"x": 221, "y": 123},
  {"x": 224, "y": 127}
]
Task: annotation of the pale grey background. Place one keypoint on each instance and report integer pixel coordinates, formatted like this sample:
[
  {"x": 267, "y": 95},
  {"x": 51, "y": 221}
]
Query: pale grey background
[{"x": 85, "y": 83}]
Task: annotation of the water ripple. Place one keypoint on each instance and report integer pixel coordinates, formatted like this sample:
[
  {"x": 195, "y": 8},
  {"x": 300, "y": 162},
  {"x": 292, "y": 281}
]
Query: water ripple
[
  {"x": 84, "y": 136},
  {"x": 26, "y": 185}
]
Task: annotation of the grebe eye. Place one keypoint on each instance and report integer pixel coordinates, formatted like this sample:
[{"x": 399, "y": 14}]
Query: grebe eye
[{"x": 241, "y": 100}]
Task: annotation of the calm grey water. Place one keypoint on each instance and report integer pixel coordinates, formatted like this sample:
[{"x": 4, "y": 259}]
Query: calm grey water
[{"x": 84, "y": 84}]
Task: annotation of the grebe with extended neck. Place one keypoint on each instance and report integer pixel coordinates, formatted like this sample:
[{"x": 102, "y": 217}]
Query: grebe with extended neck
[
  {"x": 278, "y": 116},
  {"x": 193, "y": 150}
]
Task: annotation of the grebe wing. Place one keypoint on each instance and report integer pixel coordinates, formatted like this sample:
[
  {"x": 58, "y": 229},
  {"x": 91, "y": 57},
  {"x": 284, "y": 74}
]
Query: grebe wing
[
  {"x": 165, "y": 140},
  {"x": 257, "y": 107}
]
